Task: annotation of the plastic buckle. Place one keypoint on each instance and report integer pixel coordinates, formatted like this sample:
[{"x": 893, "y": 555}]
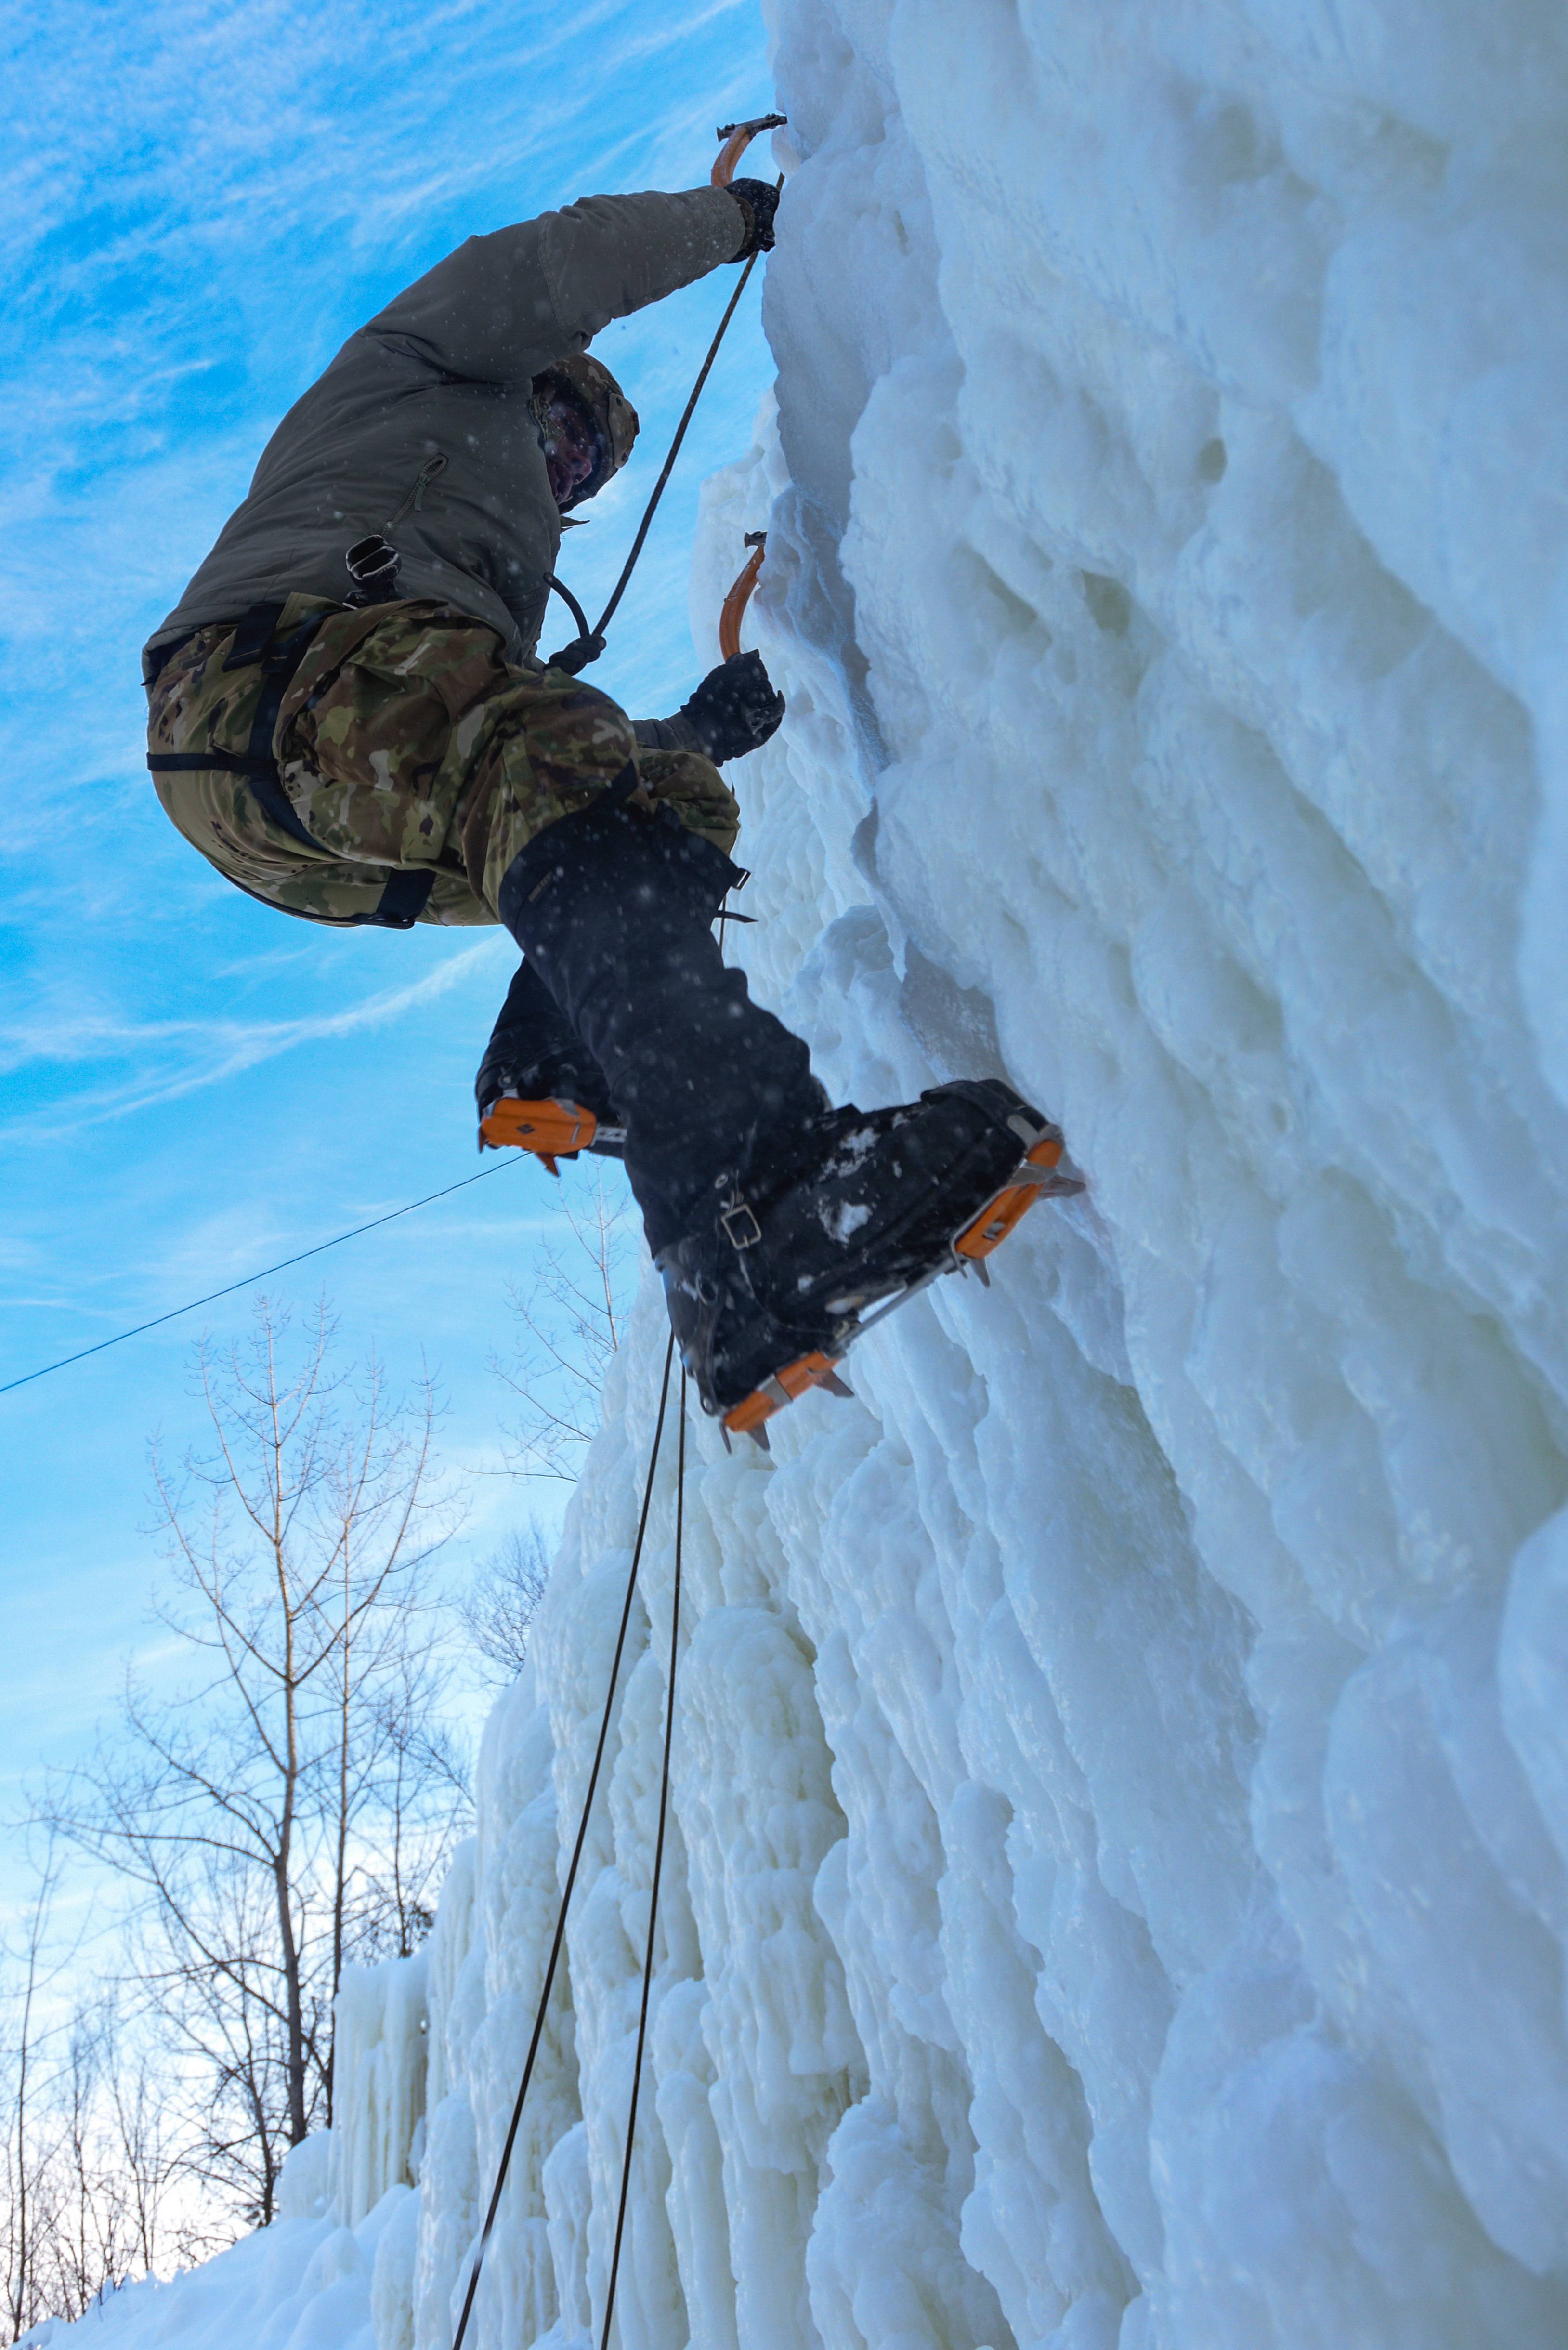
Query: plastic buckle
[{"x": 373, "y": 564}]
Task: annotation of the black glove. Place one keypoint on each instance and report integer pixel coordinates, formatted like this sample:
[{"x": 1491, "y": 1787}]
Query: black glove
[
  {"x": 759, "y": 202},
  {"x": 734, "y": 708}
]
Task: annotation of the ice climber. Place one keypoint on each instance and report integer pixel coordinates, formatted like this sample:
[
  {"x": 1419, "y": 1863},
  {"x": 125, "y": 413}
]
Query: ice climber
[{"x": 349, "y": 718}]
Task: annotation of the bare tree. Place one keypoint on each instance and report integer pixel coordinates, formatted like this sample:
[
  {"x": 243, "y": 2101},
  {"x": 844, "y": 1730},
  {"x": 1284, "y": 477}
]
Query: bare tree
[
  {"x": 86, "y": 2235},
  {"x": 499, "y": 1607},
  {"x": 147, "y": 2168},
  {"x": 422, "y": 1779},
  {"x": 254, "y": 1810},
  {"x": 28, "y": 2149},
  {"x": 571, "y": 1319},
  {"x": 114, "y": 2169},
  {"x": 90, "y": 2192}
]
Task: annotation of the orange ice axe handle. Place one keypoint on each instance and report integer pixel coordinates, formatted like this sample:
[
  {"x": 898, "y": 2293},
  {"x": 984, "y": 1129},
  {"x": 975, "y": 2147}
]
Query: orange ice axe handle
[
  {"x": 737, "y": 137},
  {"x": 740, "y": 595}
]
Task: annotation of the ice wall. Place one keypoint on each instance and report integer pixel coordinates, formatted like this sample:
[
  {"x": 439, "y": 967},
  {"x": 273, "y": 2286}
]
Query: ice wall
[
  {"x": 1117, "y": 1893},
  {"x": 1122, "y": 1782},
  {"x": 1166, "y": 561}
]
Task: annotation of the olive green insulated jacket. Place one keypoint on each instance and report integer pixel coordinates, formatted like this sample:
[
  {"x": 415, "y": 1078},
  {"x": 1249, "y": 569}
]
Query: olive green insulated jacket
[{"x": 421, "y": 427}]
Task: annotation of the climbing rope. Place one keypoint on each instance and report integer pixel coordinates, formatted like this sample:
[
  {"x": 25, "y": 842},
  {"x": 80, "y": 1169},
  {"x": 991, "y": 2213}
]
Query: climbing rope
[
  {"x": 588, "y": 644},
  {"x": 581, "y": 1839},
  {"x": 658, "y": 1871},
  {"x": 576, "y": 656}
]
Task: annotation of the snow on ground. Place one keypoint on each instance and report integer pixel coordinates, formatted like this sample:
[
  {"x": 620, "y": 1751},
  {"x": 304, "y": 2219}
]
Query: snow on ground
[{"x": 1117, "y": 1891}]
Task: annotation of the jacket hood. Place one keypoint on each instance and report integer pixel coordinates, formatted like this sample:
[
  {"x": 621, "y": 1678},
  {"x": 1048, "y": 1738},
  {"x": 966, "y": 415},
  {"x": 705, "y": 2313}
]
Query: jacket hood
[{"x": 590, "y": 383}]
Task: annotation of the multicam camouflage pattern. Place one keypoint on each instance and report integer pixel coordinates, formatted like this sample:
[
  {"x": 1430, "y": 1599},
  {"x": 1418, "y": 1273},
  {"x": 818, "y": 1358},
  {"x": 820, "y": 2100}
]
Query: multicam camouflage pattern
[{"x": 405, "y": 741}]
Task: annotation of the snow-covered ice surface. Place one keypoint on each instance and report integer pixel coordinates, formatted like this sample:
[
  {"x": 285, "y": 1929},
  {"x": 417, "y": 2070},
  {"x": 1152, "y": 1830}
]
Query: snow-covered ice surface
[{"x": 1117, "y": 1891}]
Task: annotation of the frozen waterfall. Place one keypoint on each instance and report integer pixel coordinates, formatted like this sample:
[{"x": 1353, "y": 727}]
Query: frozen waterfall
[{"x": 1118, "y": 1890}]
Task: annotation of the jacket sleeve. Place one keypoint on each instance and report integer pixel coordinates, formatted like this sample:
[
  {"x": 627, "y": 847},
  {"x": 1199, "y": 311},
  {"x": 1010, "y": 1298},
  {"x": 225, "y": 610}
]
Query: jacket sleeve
[{"x": 503, "y": 307}]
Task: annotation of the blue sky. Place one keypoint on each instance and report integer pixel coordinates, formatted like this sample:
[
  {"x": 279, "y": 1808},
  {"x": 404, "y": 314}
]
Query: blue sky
[{"x": 198, "y": 202}]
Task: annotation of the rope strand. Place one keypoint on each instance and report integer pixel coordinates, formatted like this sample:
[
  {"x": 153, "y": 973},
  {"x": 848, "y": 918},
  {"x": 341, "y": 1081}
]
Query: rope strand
[
  {"x": 658, "y": 1871},
  {"x": 651, "y": 508},
  {"x": 575, "y": 657},
  {"x": 538, "y": 2031}
]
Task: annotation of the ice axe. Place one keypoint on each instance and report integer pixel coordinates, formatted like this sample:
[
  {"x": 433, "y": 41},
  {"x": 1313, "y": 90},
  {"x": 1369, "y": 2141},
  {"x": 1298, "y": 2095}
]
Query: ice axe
[
  {"x": 737, "y": 137},
  {"x": 740, "y": 595}
]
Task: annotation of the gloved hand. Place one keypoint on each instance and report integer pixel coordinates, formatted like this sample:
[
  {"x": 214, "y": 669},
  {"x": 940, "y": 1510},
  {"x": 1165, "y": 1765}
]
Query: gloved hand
[
  {"x": 734, "y": 708},
  {"x": 759, "y": 202}
]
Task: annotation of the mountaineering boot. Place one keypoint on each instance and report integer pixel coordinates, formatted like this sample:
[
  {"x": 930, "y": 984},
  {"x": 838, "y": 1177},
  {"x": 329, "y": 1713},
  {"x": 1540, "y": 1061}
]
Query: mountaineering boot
[
  {"x": 776, "y": 1222},
  {"x": 538, "y": 1086},
  {"x": 771, "y": 1285},
  {"x": 614, "y": 910}
]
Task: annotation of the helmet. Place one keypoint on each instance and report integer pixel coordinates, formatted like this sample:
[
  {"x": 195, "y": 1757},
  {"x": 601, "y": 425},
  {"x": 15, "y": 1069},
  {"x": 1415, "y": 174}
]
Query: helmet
[{"x": 590, "y": 383}]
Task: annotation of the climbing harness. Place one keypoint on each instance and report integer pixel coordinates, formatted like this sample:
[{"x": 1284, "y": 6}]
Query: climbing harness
[
  {"x": 589, "y": 643},
  {"x": 258, "y": 644},
  {"x": 581, "y": 1838}
]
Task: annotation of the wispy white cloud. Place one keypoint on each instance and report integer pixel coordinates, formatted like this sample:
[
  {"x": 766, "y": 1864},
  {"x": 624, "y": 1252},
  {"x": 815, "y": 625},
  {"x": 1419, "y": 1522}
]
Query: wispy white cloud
[
  {"x": 210, "y": 1050},
  {"x": 233, "y": 1242}
]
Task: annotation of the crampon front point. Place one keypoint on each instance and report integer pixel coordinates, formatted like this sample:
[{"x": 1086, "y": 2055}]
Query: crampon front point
[
  {"x": 797, "y": 1254},
  {"x": 1034, "y": 1177}
]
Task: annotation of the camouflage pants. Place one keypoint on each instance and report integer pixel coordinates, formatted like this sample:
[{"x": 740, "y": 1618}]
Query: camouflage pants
[{"x": 405, "y": 744}]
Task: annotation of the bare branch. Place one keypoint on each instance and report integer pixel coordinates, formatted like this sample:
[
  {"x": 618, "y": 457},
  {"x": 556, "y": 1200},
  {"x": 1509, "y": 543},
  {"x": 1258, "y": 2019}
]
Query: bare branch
[{"x": 299, "y": 1800}]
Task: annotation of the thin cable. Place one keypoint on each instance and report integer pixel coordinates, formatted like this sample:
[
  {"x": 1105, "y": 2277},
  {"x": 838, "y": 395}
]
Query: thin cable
[
  {"x": 576, "y": 1856},
  {"x": 658, "y": 1869},
  {"x": 265, "y": 1274}
]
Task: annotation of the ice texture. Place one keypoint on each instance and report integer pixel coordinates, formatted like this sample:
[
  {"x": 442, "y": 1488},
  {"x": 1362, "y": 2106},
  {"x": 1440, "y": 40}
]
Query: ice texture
[{"x": 1117, "y": 1890}]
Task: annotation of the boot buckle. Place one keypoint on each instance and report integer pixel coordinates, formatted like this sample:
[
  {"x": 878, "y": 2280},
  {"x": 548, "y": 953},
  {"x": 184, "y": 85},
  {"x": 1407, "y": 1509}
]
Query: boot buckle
[{"x": 742, "y": 1229}]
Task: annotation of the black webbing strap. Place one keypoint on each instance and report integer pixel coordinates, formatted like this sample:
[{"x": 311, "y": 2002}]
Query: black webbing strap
[
  {"x": 257, "y": 645},
  {"x": 255, "y": 634},
  {"x": 262, "y": 775},
  {"x": 403, "y": 899}
]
